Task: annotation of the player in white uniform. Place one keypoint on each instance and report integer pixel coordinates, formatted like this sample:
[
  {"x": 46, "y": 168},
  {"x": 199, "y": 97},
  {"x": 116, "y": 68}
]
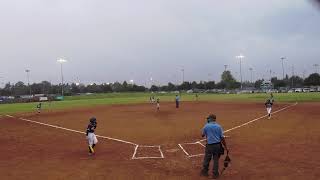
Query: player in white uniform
[{"x": 91, "y": 137}]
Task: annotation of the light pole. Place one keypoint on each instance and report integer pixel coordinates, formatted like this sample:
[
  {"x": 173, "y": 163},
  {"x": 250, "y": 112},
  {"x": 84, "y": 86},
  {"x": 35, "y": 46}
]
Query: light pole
[
  {"x": 316, "y": 67},
  {"x": 282, "y": 59},
  {"x": 251, "y": 73},
  {"x": 225, "y": 67},
  {"x": 28, "y": 71},
  {"x": 292, "y": 75},
  {"x": 240, "y": 57},
  {"x": 182, "y": 75},
  {"x": 61, "y": 61}
]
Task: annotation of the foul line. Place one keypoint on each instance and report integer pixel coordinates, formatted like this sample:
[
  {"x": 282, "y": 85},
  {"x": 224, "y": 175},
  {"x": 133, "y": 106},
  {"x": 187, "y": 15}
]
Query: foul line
[
  {"x": 249, "y": 122},
  {"x": 72, "y": 130},
  {"x": 236, "y": 127}
]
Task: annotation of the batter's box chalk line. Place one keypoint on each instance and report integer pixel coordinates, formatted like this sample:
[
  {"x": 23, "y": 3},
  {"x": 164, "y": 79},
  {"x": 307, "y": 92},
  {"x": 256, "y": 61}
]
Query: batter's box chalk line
[
  {"x": 229, "y": 130},
  {"x": 134, "y": 156},
  {"x": 103, "y": 137}
]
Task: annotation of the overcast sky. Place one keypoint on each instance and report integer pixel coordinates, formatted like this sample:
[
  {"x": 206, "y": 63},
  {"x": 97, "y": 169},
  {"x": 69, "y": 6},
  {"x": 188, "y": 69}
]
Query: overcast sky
[{"x": 106, "y": 41}]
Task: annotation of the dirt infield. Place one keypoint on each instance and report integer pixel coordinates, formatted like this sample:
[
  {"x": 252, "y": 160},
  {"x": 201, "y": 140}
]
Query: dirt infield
[{"x": 284, "y": 147}]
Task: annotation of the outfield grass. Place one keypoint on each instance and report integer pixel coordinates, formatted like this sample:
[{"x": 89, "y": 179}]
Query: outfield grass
[{"x": 129, "y": 98}]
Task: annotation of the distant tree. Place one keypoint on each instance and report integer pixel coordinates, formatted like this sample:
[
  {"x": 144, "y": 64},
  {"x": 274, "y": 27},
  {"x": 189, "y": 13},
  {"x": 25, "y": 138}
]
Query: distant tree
[
  {"x": 7, "y": 90},
  {"x": 278, "y": 83},
  {"x": 295, "y": 81},
  {"x": 154, "y": 88},
  {"x": 171, "y": 87},
  {"x": 312, "y": 80},
  {"x": 75, "y": 88},
  {"x": 106, "y": 88},
  {"x": 117, "y": 87},
  {"x": 228, "y": 81},
  {"x": 20, "y": 89},
  {"x": 185, "y": 86},
  {"x": 210, "y": 85},
  {"x": 258, "y": 83}
]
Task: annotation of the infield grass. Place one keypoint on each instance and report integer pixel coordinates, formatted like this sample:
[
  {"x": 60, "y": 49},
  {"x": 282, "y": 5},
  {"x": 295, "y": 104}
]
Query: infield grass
[{"x": 129, "y": 98}]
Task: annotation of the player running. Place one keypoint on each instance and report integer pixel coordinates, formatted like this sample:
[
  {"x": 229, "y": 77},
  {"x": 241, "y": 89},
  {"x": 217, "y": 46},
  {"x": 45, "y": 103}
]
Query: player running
[
  {"x": 268, "y": 105},
  {"x": 91, "y": 137}
]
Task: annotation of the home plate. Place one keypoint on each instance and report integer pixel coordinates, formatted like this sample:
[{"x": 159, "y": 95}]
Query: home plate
[{"x": 172, "y": 150}]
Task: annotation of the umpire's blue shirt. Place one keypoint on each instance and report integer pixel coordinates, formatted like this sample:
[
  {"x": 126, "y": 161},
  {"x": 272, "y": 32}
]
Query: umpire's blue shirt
[{"x": 213, "y": 132}]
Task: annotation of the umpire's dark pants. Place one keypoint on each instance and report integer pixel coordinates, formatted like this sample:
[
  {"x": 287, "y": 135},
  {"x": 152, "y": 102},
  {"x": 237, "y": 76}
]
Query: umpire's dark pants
[{"x": 212, "y": 151}]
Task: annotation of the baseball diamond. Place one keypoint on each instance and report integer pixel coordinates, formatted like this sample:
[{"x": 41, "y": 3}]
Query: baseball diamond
[{"x": 145, "y": 141}]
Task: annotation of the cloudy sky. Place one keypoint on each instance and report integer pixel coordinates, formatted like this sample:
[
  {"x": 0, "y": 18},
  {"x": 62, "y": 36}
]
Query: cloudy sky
[{"x": 116, "y": 40}]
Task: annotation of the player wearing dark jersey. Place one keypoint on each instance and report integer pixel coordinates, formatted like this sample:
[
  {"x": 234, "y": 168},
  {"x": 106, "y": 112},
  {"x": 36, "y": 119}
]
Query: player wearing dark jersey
[
  {"x": 91, "y": 137},
  {"x": 268, "y": 105},
  {"x": 158, "y": 104},
  {"x": 39, "y": 107}
]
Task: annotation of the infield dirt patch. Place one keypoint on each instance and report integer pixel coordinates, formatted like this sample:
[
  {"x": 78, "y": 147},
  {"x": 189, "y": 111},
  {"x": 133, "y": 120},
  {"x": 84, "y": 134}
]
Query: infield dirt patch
[{"x": 285, "y": 147}]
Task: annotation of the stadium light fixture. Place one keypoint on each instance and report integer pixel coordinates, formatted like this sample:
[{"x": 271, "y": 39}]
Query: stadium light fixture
[
  {"x": 28, "y": 75},
  {"x": 61, "y": 61},
  {"x": 240, "y": 57}
]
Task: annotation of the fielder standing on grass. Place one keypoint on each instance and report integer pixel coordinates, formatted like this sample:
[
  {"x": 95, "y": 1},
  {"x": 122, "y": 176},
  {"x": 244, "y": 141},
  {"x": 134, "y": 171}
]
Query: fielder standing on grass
[
  {"x": 215, "y": 139},
  {"x": 269, "y": 104},
  {"x": 91, "y": 137}
]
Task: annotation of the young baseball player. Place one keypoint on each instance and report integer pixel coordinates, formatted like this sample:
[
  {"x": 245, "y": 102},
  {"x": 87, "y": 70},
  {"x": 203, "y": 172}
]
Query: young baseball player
[
  {"x": 39, "y": 108},
  {"x": 268, "y": 105},
  {"x": 91, "y": 137},
  {"x": 177, "y": 101},
  {"x": 158, "y": 104}
]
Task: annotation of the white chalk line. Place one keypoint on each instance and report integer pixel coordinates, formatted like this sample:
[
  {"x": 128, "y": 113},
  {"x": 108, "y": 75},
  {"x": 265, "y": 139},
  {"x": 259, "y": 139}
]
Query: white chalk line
[
  {"x": 183, "y": 150},
  {"x": 72, "y": 130},
  {"x": 103, "y": 137},
  {"x": 147, "y": 157},
  {"x": 236, "y": 127}
]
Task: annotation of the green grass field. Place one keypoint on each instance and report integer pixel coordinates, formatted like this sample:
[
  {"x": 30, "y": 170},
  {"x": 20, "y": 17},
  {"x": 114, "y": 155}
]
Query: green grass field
[{"x": 129, "y": 98}]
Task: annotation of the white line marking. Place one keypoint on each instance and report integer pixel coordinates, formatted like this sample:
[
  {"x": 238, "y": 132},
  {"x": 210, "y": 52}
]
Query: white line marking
[
  {"x": 201, "y": 144},
  {"x": 196, "y": 155},
  {"x": 148, "y": 146},
  {"x": 161, "y": 152},
  {"x": 147, "y": 157},
  {"x": 183, "y": 150},
  {"x": 249, "y": 122},
  {"x": 72, "y": 130},
  {"x": 135, "y": 152},
  {"x": 10, "y": 116},
  {"x": 236, "y": 127}
]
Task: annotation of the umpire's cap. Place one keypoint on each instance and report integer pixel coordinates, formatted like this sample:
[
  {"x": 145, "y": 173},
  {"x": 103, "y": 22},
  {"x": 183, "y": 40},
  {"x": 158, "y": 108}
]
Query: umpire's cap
[{"x": 211, "y": 117}]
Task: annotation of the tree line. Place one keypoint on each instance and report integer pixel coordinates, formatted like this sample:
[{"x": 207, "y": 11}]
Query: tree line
[{"x": 227, "y": 82}]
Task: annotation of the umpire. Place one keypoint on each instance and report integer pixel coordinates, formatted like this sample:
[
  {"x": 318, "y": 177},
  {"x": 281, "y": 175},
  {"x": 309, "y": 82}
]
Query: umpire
[{"x": 215, "y": 139}]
